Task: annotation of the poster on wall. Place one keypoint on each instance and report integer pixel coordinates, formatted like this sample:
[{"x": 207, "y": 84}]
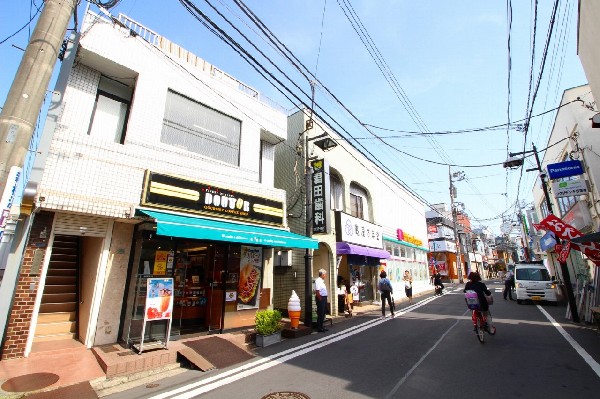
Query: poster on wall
[
  {"x": 250, "y": 274},
  {"x": 160, "y": 263},
  {"x": 443, "y": 269}
]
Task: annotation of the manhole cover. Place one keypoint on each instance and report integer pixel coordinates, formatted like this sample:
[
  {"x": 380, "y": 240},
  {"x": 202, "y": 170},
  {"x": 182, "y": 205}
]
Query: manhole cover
[
  {"x": 152, "y": 385},
  {"x": 285, "y": 395},
  {"x": 29, "y": 382}
]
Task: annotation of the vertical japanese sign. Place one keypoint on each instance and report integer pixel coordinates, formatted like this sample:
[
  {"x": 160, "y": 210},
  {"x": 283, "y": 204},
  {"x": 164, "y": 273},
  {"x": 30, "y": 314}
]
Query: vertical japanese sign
[
  {"x": 8, "y": 196},
  {"x": 320, "y": 197},
  {"x": 159, "y": 299},
  {"x": 250, "y": 274}
]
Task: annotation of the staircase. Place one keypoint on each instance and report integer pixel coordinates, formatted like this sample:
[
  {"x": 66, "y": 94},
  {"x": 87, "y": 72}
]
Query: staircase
[{"x": 57, "y": 318}]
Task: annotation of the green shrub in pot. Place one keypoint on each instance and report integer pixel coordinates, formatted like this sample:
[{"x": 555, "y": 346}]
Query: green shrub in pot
[{"x": 268, "y": 322}]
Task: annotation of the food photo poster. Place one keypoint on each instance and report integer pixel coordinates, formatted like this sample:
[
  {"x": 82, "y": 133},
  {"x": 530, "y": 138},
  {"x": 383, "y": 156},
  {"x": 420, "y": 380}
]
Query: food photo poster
[
  {"x": 159, "y": 299},
  {"x": 250, "y": 277}
]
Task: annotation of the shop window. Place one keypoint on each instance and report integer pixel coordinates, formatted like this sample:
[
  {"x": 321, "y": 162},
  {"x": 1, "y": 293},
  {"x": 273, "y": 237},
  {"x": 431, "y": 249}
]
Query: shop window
[
  {"x": 111, "y": 111},
  {"x": 194, "y": 127},
  {"x": 388, "y": 248}
]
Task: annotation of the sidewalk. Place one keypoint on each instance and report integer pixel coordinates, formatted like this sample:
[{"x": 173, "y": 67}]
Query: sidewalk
[{"x": 74, "y": 371}]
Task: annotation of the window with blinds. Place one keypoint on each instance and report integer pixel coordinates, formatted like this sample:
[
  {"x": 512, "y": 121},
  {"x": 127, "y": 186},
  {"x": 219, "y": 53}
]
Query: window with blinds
[{"x": 192, "y": 126}]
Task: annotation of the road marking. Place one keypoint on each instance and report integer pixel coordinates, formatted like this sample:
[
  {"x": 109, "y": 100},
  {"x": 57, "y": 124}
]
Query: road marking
[
  {"x": 588, "y": 359},
  {"x": 417, "y": 364},
  {"x": 216, "y": 381}
]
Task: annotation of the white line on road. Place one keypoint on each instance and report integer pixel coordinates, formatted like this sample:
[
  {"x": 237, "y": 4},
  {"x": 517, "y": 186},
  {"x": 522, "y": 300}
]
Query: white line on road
[
  {"x": 413, "y": 368},
  {"x": 253, "y": 367},
  {"x": 588, "y": 359}
]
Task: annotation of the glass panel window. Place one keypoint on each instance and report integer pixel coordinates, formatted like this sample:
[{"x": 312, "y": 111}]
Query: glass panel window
[
  {"x": 337, "y": 192},
  {"x": 356, "y": 206},
  {"x": 194, "y": 127},
  {"x": 111, "y": 110},
  {"x": 363, "y": 203}
]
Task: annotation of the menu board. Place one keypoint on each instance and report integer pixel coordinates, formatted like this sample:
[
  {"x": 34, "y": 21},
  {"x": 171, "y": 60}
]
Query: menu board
[{"x": 250, "y": 277}]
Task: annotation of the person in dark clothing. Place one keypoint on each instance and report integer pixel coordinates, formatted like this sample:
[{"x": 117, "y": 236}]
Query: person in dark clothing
[
  {"x": 475, "y": 284},
  {"x": 385, "y": 287},
  {"x": 437, "y": 282}
]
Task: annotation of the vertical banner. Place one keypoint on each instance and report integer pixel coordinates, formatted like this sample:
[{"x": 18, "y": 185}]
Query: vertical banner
[
  {"x": 159, "y": 299},
  {"x": 8, "y": 196},
  {"x": 321, "y": 197},
  {"x": 250, "y": 274}
]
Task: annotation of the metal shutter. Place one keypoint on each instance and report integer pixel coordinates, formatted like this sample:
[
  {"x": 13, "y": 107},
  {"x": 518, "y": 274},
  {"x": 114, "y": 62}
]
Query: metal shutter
[{"x": 80, "y": 225}]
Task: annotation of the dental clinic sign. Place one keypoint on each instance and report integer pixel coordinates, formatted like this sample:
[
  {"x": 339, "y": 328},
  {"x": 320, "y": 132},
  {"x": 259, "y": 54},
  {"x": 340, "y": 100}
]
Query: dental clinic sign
[
  {"x": 564, "y": 169},
  {"x": 569, "y": 188},
  {"x": 320, "y": 197}
]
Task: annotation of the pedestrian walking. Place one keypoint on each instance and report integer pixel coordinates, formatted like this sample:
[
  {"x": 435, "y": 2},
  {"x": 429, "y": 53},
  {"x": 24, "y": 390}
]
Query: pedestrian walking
[
  {"x": 437, "y": 281},
  {"x": 321, "y": 299},
  {"x": 386, "y": 289},
  {"x": 408, "y": 280},
  {"x": 508, "y": 283}
]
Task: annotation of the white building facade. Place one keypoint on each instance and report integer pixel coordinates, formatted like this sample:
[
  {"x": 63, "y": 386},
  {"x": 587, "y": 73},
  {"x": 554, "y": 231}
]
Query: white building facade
[
  {"x": 365, "y": 220},
  {"x": 573, "y": 139},
  {"x": 154, "y": 165}
]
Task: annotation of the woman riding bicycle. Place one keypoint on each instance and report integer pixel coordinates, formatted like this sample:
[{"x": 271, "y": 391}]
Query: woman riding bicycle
[{"x": 475, "y": 284}]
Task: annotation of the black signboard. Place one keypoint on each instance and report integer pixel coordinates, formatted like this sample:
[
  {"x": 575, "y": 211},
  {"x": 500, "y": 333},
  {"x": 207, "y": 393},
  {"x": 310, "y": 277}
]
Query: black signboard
[
  {"x": 320, "y": 196},
  {"x": 176, "y": 193}
]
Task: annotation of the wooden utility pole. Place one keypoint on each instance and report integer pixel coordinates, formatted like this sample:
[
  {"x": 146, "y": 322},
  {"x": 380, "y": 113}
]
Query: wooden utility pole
[{"x": 24, "y": 100}]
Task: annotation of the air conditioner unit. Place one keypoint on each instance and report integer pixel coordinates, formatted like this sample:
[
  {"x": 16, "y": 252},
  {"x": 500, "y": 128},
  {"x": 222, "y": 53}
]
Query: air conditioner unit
[{"x": 283, "y": 258}]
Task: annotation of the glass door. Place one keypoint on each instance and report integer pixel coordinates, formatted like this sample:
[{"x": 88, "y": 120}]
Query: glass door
[{"x": 216, "y": 288}]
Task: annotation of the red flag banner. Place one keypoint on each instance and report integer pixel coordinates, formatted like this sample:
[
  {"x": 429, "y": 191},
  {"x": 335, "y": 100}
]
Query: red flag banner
[
  {"x": 567, "y": 232},
  {"x": 564, "y": 252}
]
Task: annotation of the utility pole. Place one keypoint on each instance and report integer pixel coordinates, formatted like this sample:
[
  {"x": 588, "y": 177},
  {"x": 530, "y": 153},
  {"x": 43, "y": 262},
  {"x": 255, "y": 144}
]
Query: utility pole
[
  {"x": 308, "y": 187},
  {"x": 563, "y": 265},
  {"x": 26, "y": 94},
  {"x": 456, "y": 236}
]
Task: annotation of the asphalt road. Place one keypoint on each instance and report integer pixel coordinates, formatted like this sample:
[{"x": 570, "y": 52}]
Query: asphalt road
[{"x": 428, "y": 351}]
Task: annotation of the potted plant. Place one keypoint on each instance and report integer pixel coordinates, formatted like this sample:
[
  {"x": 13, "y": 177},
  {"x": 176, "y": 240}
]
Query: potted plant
[{"x": 268, "y": 327}]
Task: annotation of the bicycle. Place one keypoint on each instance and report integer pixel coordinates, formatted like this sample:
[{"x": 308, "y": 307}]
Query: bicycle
[{"x": 480, "y": 325}]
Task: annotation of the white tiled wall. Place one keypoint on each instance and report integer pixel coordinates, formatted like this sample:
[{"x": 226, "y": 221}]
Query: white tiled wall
[{"x": 89, "y": 175}]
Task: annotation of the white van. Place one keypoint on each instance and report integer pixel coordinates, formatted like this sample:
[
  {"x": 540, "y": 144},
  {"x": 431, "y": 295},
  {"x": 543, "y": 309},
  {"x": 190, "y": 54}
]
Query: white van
[{"x": 533, "y": 282}]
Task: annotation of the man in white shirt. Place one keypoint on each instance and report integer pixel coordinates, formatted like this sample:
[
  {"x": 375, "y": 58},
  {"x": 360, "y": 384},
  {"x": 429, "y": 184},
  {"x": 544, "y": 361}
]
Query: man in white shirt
[
  {"x": 321, "y": 299},
  {"x": 508, "y": 282}
]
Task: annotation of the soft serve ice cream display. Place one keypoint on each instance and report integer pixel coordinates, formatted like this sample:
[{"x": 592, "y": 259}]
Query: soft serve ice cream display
[{"x": 294, "y": 310}]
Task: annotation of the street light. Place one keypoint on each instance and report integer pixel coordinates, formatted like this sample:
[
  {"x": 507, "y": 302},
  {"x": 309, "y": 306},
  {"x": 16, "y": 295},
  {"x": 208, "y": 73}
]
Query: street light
[{"x": 514, "y": 162}]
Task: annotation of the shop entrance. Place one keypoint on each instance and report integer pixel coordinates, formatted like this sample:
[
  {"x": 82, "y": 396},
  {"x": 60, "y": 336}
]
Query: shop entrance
[
  {"x": 199, "y": 271},
  {"x": 199, "y": 294}
]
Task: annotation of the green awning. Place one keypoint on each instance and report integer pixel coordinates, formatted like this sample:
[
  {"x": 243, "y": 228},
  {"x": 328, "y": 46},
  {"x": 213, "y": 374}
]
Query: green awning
[{"x": 205, "y": 229}]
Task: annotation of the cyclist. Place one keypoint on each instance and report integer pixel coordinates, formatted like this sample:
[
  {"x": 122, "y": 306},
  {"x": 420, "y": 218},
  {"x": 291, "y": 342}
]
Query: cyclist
[{"x": 475, "y": 284}]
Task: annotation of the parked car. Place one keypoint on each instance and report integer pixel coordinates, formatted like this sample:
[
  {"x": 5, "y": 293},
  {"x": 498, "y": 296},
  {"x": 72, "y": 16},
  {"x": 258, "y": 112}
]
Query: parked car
[{"x": 533, "y": 282}]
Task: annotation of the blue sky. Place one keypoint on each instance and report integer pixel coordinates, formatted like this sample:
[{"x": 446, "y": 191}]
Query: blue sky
[{"x": 449, "y": 59}]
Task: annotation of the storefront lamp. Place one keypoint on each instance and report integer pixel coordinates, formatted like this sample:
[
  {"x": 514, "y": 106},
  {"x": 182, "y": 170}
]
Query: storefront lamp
[{"x": 324, "y": 142}]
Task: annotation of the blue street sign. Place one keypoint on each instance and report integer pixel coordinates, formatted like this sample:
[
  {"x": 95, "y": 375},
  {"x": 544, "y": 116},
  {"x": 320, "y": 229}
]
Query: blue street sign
[
  {"x": 564, "y": 169},
  {"x": 547, "y": 241}
]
